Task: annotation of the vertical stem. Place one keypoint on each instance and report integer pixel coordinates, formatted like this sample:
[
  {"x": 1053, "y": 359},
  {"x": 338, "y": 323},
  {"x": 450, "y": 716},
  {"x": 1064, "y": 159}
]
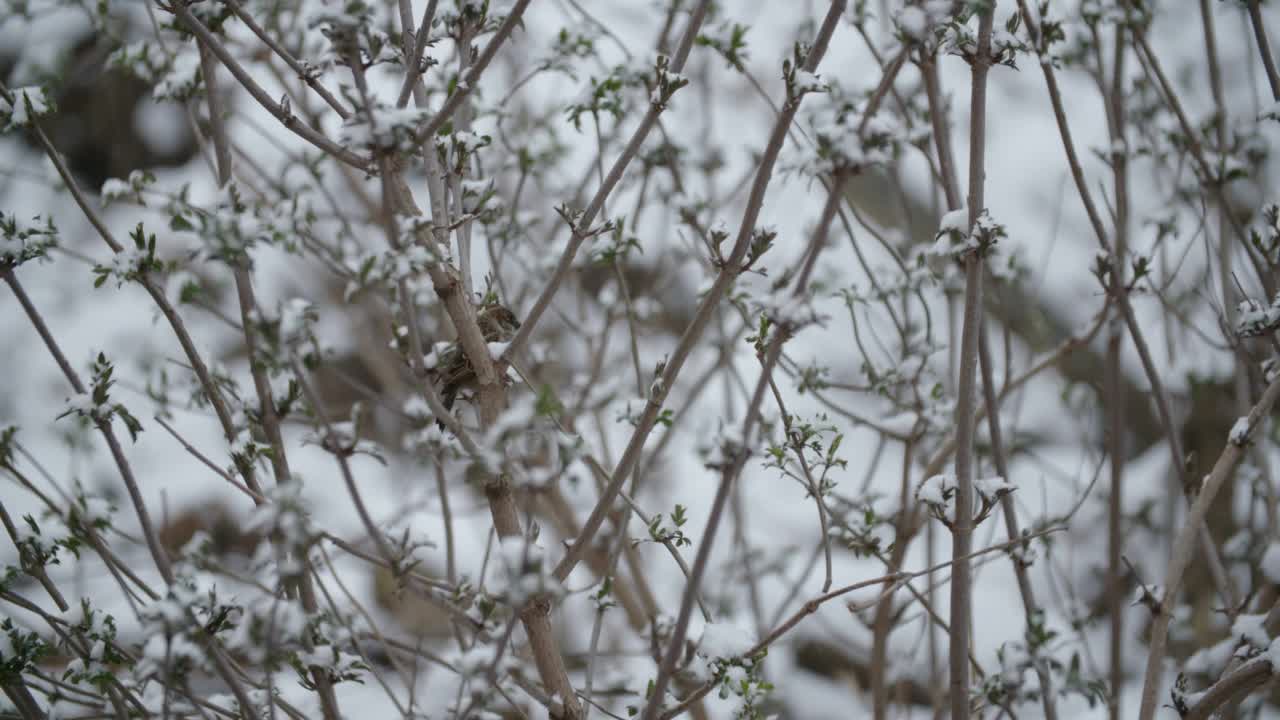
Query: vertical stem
[
  {"x": 1241, "y": 381},
  {"x": 446, "y": 513},
  {"x": 882, "y": 623},
  {"x": 1113, "y": 378},
  {"x": 1116, "y": 605},
  {"x": 462, "y": 121},
  {"x": 675, "y": 646},
  {"x": 937, "y": 695},
  {"x": 941, "y": 132},
  {"x": 270, "y": 420},
  {"x": 962, "y": 530},
  {"x": 451, "y": 289},
  {"x": 962, "y": 527},
  {"x": 1029, "y": 605}
]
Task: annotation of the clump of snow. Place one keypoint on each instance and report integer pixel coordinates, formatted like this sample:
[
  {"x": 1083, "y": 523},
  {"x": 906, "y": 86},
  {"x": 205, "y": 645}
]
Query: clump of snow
[
  {"x": 955, "y": 221},
  {"x": 902, "y": 423},
  {"x": 29, "y": 103},
  {"x": 913, "y": 21},
  {"x": 438, "y": 353},
  {"x": 1255, "y": 318},
  {"x": 807, "y": 82},
  {"x": 479, "y": 658},
  {"x": 469, "y": 142},
  {"x": 1240, "y": 432},
  {"x": 80, "y": 404},
  {"x": 937, "y": 491},
  {"x": 724, "y": 450},
  {"x": 129, "y": 264},
  {"x": 183, "y": 77},
  {"x": 1211, "y": 660},
  {"x": 296, "y": 316},
  {"x": 93, "y": 509},
  {"x": 144, "y": 59},
  {"x": 1273, "y": 655},
  {"x": 334, "y": 660},
  {"x": 415, "y": 406},
  {"x": 725, "y": 641},
  {"x": 1252, "y": 629},
  {"x": 1270, "y": 367},
  {"x": 434, "y": 441},
  {"x": 389, "y": 127},
  {"x": 1270, "y": 564},
  {"x": 285, "y": 624},
  {"x": 953, "y": 238},
  {"x": 175, "y": 649},
  {"x": 789, "y": 311},
  {"x": 1227, "y": 165},
  {"x": 527, "y": 574},
  {"x": 846, "y": 140},
  {"x": 993, "y": 488},
  {"x": 1015, "y": 661},
  {"x": 21, "y": 243},
  {"x": 114, "y": 189},
  {"x": 286, "y": 517},
  {"x": 917, "y": 21}
]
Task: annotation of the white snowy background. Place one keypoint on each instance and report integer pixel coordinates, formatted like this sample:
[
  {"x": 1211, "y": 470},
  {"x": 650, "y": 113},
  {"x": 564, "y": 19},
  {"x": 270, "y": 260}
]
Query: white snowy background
[{"x": 1028, "y": 190}]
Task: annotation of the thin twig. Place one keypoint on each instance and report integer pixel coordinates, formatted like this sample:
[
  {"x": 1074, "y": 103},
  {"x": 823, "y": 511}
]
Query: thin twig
[
  {"x": 892, "y": 580},
  {"x": 305, "y": 73},
  {"x": 732, "y": 468},
  {"x": 468, "y": 84},
  {"x": 710, "y": 301},
  {"x": 1184, "y": 545},
  {"x": 583, "y": 228},
  {"x": 1264, "y": 47},
  {"x": 285, "y": 116},
  {"x": 149, "y": 534}
]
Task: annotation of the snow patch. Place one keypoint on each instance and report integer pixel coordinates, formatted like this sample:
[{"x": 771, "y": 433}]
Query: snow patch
[{"x": 1270, "y": 564}]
